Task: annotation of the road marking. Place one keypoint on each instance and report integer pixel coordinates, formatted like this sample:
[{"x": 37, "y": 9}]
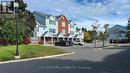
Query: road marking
[{"x": 98, "y": 49}]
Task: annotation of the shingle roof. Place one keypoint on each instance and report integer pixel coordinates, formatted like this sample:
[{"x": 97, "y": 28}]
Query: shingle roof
[
  {"x": 121, "y": 28},
  {"x": 42, "y": 14},
  {"x": 67, "y": 34},
  {"x": 44, "y": 33},
  {"x": 76, "y": 35},
  {"x": 58, "y": 33}
]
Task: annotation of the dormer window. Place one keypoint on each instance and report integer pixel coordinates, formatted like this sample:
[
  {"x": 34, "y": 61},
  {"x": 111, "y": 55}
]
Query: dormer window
[{"x": 51, "y": 22}]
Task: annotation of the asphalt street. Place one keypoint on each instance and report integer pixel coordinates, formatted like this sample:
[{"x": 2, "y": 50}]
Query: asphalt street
[{"x": 85, "y": 60}]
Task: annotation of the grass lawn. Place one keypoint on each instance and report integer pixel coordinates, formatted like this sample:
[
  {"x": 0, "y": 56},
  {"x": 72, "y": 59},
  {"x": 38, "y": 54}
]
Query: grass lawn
[{"x": 28, "y": 51}]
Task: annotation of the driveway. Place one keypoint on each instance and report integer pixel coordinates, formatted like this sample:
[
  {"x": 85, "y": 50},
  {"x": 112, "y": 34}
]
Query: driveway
[{"x": 85, "y": 60}]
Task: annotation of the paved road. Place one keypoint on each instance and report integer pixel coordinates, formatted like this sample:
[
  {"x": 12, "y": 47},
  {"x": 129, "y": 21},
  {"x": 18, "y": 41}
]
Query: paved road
[{"x": 85, "y": 60}]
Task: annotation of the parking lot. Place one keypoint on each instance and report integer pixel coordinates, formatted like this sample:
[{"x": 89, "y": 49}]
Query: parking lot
[
  {"x": 84, "y": 60},
  {"x": 87, "y": 52}
]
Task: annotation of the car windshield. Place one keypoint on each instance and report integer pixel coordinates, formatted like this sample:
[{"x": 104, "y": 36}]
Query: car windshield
[{"x": 77, "y": 41}]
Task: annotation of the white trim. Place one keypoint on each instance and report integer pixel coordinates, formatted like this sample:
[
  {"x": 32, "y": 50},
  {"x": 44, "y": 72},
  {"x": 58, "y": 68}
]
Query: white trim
[
  {"x": 61, "y": 35},
  {"x": 49, "y": 35}
]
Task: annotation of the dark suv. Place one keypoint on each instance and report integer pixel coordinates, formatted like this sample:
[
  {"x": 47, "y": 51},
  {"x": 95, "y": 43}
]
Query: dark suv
[{"x": 63, "y": 43}]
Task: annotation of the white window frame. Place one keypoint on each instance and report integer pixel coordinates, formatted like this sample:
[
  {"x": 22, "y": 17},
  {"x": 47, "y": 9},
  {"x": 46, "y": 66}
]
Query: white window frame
[
  {"x": 51, "y": 22},
  {"x": 63, "y": 31},
  {"x": 72, "y": 32},
  {"x": 63, "y": 23},
  {"x": 52, "y": 30}
]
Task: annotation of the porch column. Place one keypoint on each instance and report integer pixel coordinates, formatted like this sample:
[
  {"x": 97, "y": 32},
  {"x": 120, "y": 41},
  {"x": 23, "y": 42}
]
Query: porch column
[
  {"x": 57, "y": 38},
  {"x": 52, "y": 39},
  {"x": 63, "y": 38},
  {"x": 72, "y": 39},
  {"x": 68, "y": 39},
  {"x": 75, "y": 39},
  {"x": 44, "y": 40}
]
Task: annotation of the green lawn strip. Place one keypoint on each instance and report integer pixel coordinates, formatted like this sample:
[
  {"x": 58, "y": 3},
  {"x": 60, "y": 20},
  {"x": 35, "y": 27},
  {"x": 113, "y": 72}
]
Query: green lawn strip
[{"x": 28, "y": 51}]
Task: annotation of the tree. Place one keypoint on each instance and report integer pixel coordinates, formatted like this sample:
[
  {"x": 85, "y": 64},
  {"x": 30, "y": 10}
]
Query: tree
[
  {"x": 29, "y": 22},
  {"x": 106, "y": 26},
  {"x": 83, "y": 29},
  {"x": 8, "y": 31},
  {"x": 128, "y": 32},
  {"x": 95, "y": 31},
  {"x": 88, "y": 36},
  {"x": 103, "y": 35},
  {"x": 27, "y": 17},
  {"x": 26, "y": 23}
]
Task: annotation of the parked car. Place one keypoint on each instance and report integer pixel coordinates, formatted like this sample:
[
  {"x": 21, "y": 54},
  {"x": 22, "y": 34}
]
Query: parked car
[
  {"x": 64, "y": 43},
  {"x": 71, "y": 43},
  {"x": 57, "y": 43},
  {"x": 78, "y": 43}
]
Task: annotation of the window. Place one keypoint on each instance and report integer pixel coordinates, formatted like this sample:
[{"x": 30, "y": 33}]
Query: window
[
  {"x": 36, "y": 29},
  {"x": 63, "y": 30},
  {"x": 51, "y": 22},
  {"x": 52, "y": 30},
  {"x": 72, "y": 32},
  {"x": 71, "y": 25},
  {"x": 63, "y": 23}
]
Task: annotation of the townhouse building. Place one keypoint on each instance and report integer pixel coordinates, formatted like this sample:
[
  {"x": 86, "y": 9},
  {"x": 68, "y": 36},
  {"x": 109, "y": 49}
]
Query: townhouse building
[
  {"x": 50, "y": 29},
  {"x": 117, "y": 33}
]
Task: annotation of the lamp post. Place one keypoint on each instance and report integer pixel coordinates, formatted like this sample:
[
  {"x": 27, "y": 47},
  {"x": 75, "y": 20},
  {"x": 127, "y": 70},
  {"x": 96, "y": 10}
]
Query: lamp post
[{"x": 16, "y": 5}]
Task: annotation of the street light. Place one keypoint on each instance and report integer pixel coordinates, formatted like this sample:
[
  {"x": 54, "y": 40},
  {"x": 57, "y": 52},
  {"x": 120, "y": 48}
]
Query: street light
[{"x": 16, "y": 5}]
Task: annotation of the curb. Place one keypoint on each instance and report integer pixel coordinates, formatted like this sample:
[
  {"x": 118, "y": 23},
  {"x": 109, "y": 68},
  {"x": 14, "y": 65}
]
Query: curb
[
  {"x": 98, "y": 49},
  {"x": 37, "y": 58}
]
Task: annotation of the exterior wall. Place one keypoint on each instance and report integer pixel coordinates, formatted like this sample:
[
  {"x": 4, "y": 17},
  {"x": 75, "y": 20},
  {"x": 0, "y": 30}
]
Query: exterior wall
[
  {"x": 63, "y": 19},
  {"x": 51, "y": 26},
  {"x": 113, "y": 35},
  {"x": 44, "y": 25},
  {"x": 119, "y": 36},
  {"x": 72, "y": 28},
  {"x": 41, "y": 29}
]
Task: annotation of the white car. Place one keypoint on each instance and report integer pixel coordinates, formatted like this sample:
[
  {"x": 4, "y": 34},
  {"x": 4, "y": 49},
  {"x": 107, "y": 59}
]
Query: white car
[{"x": 78, "y": 43}]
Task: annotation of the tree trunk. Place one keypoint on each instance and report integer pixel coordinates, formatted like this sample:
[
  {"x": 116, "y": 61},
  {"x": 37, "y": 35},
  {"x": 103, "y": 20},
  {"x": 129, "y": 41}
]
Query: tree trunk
[
  {"x": 103, "y": 43},
  {"x": 95, "y": 43}
]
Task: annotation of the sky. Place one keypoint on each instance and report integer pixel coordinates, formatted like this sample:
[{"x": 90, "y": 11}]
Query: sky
[{"x": 85, "y": 12}]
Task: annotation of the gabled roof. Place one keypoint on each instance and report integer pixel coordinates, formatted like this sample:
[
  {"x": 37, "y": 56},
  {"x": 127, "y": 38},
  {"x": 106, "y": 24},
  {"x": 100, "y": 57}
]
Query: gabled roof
[
  {"x": 121, "y": 28},
  {"x": 72, "y": 22},
  {"x": 59, "y": 16},
  {"x": 42, "y": 14},
  {"x": 58, "y": 33},
  {"x": 47, "y": 34},
  {"x": 71, "y": 36},
  {"x": 67, "y": 35},
  {"x": 44, "y": 33},
  {"x": 76, "y": 35}
]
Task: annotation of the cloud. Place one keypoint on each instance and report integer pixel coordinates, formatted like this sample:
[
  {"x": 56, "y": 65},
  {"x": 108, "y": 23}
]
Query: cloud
[{"x": 85, "y": 12}]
